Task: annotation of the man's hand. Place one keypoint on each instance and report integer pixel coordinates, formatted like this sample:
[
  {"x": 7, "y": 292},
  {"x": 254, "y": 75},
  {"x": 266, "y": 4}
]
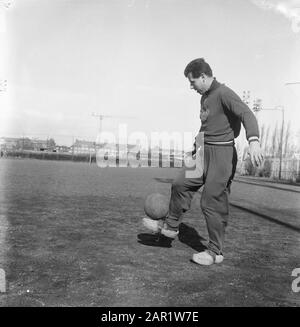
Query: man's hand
[
  {"x": 255, "y": 153},
  {"x": 194, "y": 149}
]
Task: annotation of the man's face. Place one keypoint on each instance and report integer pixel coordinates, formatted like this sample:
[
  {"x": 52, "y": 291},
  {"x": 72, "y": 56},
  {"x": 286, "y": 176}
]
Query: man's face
[{"x": 197, "y": 84}]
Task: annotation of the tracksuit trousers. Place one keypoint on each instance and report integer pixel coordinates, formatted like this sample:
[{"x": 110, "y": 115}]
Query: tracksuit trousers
[{"x": 218, "y": 171}]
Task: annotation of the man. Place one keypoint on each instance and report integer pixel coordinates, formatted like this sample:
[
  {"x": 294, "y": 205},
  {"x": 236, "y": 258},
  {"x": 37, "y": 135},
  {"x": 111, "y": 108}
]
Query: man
[{"x": 222, "y": 112}]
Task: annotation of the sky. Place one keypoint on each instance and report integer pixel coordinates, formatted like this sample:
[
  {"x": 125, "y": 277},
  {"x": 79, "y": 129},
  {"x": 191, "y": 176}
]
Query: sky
[{"x": 67, "y": 59}]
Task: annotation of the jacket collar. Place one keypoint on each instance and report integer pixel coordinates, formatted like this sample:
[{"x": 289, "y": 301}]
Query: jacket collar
[{"x": 214, "y": 85}]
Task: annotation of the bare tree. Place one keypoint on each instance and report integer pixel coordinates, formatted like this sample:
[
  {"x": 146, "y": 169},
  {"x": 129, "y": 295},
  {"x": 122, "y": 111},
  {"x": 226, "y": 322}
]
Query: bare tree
[
  {"x": 262, "y": 133},
  {"x": 274, "y": 147},
  {"x": 265, "y": 147},
  {"x": 286, "y": 139}
]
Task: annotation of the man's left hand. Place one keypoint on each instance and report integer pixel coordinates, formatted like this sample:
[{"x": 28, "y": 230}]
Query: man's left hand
[{"x": 256, "y": 155}]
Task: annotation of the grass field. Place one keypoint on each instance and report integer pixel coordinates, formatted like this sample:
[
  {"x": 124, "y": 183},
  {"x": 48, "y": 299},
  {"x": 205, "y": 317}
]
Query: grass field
[{"x": 71, "y": 235}]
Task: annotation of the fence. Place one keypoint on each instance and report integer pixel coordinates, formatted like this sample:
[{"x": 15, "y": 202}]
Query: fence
[{"x": 290, "y": 169}]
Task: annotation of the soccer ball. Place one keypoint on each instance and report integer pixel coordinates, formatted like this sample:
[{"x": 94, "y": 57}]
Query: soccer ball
[{"x": 156, "y": 206}]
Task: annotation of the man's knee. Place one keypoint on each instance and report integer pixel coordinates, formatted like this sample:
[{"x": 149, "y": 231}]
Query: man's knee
[
  {"x": 181, "y": 184},
  {"x": 178, "y": 185}
]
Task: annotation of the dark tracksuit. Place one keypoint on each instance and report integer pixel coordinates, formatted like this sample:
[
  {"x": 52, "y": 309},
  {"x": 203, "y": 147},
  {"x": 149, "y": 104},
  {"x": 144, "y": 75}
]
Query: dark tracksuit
[{"x": 222, "y": 112}]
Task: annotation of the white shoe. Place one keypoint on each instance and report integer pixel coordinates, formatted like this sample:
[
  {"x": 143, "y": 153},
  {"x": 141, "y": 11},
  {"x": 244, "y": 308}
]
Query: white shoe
[
  {"x": 154, "y": 225},
  {"x": 168, "y": 232},
  {"x": 158, "y": 226},
  {"x": 205, "y": 258}
]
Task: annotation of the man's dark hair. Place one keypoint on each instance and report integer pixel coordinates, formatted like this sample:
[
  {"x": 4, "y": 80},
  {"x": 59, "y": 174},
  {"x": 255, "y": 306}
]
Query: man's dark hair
[{"x": 197, "y": 67}]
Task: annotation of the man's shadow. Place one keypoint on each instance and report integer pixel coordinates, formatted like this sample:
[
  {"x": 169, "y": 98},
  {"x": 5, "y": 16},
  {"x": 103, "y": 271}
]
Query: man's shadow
[
  {"x": 187, "y": 235},
  {"x": 154, "y": 240},
  {"x": 190, "y": 237}
]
